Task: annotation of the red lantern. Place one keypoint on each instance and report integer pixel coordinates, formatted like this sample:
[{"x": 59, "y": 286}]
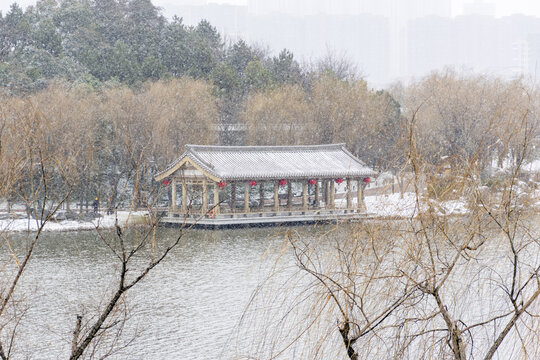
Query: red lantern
[
  {"x": 166, "y": 182},
  {"x": 282, "y": 182},
  {"x": 221, "y": 184},
  {"x": 253, "y": 183},
  {"x": 339, "y": 181},
  {"x": 367, "y": 180},
  {"x": 312, "y": 182}
]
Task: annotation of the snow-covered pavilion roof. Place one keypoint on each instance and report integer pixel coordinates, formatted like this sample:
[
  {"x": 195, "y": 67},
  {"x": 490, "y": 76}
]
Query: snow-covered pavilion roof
[{"x": 272, "y": 162}]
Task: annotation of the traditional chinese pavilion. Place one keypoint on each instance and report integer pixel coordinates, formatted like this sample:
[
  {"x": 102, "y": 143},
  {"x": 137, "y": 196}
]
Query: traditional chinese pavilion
[{"x": 236, "y": 185}]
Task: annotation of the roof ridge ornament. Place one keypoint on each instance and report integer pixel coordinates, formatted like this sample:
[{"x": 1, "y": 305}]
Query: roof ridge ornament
[{"x": 194, "y": 148}]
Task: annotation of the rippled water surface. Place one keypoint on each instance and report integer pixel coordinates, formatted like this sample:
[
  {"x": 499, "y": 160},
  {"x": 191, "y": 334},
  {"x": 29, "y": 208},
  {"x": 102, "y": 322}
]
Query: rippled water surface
[{"x": 188, "y": 308}]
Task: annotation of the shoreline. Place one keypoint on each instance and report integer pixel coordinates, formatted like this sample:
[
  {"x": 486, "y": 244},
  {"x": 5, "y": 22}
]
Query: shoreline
[
  {"x": 378, "y": 207},
  {"x": 25, "y": 224}
]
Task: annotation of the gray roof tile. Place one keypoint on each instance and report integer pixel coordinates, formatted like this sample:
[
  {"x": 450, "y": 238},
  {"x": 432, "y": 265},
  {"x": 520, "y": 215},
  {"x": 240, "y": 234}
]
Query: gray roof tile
[{"x": 275, "y": 162}]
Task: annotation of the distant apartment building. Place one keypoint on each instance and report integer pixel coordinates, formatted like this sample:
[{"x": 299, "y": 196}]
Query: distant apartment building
[
  {"x": 477, "y": 43},
  {"x": 479, "y": 7},
  {"x": 533, "y": 55},
  {"x": 230, "y": 20},
  {"x": 392, "y": 29},
  {"x": 387, "y": 39}
]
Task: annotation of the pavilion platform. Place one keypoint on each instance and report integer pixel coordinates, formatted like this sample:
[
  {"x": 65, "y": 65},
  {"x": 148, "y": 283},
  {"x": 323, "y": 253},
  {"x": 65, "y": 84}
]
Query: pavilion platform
[{"x": 286, "y": 218}]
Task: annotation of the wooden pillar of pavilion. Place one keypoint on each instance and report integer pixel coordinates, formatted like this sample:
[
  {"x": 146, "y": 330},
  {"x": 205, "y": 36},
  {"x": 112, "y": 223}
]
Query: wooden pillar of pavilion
[
  {"x": 184, "y": 196},
  {"x": 327, "y": 194},
  {"x": 246, "y": 197},
  {"x": 233, "y": 197},
  {"x": 305, "y": 195},
  {"x": 349, "y": 198},
  {"x": 204, "y": 208},
  {"x": 216, "y": 198},
  {"x": 173, "y": 195},
  {"x": 289, "y": 196},
  {"x": 261, "y": 196},
  {"x": 317, "y": 190},
  {"x": 276, "y": 197},
  {"x": 324, "y": 192},
  {"x": 332, "y": 195},
  {"x": 360, "y": 200}
]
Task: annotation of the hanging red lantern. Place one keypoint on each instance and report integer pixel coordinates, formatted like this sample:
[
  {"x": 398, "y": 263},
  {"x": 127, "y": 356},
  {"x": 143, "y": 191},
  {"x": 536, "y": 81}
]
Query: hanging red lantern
[
  {"x": 166, "y": 182},
  {"x": 221, "y": 184},
  {"x": 312, "y": 181},
  {"x": 339, "y": 181},
  {"x": 282, "y": 182},
  {"x": 366, "y": 180},
  {"x": 252, "y": 183}
]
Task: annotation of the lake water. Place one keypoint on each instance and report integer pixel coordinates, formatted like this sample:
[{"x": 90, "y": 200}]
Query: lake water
[
  {"x": 187, "y": 308},
  {"x": 193, "y": 305}
]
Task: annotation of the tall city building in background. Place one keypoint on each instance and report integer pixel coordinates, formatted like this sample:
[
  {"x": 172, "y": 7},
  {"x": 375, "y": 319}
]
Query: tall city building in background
[
  {"x": 532, "y": 54},
  {"x": 479, "y": 7},
  {"x": 381, "y": 53},
  {"x": 388, "y": 39}
]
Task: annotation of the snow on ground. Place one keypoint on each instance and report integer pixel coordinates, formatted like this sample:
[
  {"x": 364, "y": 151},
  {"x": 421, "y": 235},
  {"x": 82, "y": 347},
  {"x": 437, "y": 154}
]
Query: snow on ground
[
  {"x": 532, "y": 166},
  {"x": 386, "y": 205},
  {"x": 382, "y": 205},
  {"x": 104, "y": 222},
  {"x": 392, "y": 205},
  {"x": 453, "y": 207}
]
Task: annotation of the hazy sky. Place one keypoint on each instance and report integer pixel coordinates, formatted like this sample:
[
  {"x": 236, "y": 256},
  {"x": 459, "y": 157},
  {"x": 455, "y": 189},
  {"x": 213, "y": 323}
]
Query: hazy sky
[{"x": 504, "y": 7}]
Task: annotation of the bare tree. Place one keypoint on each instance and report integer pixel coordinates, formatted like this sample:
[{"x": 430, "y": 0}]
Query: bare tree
[
  {"x": 278, "y": 117},
  {"x": 430, "y": 286},
  {"x": 126, "y": 246},
  {"x": 28, "y": 168},
  {"x": 40, "y": 173}
]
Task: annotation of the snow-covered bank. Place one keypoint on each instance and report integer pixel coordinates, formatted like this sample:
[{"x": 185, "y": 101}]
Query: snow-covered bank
[
  {"x": 393, "y": 205},
  {"x": 532, "y": 167},
  {"x": 103, "y": 222},
  {"x": 382, "y": 206}
]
